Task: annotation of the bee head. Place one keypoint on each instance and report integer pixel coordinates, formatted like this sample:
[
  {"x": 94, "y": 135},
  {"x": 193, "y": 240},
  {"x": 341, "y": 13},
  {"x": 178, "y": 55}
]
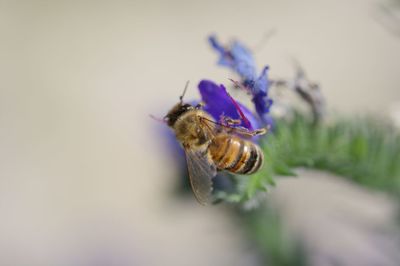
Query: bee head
[{"x": 178, "y": 110}]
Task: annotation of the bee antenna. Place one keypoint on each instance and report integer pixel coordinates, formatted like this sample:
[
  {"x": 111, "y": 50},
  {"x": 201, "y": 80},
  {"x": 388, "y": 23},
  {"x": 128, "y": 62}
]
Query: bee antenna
[{"x": 184, "y": 92}]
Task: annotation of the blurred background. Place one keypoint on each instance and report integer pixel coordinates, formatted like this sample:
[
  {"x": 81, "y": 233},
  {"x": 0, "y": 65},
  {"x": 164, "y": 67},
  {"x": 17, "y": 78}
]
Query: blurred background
[{"x": 84, "y": 177}]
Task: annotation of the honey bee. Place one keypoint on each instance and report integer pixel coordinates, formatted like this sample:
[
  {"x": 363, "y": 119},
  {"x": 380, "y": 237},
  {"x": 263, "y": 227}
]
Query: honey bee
[{"x": 212, "y": 146}]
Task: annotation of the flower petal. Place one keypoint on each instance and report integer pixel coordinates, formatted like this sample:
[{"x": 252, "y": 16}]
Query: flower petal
[
  {"x": 226, "y": 58},
  {"x": 239, "y": 58},
  {"x": 218, "y": 102},
  {"x": 244, "y": 63}
]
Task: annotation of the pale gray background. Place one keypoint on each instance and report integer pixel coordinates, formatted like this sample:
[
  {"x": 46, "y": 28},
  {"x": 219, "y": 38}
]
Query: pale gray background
[{"x": 83, "y": 177}]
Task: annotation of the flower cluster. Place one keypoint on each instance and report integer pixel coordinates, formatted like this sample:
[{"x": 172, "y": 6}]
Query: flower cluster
[{"x": 239, "y": 59}]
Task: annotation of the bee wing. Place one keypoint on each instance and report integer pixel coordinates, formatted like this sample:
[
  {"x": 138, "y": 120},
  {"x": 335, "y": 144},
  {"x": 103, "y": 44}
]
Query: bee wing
[{"x": 201, "y": 170}]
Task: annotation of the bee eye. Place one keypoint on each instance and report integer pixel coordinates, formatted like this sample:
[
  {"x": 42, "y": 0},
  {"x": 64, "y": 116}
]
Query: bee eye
[{"x": 186, "y": 107}]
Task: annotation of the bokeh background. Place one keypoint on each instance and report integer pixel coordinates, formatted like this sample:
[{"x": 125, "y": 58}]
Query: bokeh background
[{"x": 86, "y": 180}]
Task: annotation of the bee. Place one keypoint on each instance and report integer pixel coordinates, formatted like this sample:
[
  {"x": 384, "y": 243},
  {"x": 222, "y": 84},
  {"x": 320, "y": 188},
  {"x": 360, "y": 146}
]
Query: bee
[{"x": 212, "y": 146}]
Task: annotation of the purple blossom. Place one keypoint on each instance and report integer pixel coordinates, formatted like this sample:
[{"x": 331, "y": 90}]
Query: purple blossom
[
  {"x": 238, "y": 58},
  {"x": 218, "y": 102}
]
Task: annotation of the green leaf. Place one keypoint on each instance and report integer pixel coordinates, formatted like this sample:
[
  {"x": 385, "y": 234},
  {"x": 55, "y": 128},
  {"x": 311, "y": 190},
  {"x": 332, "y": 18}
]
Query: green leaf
[
  {"x": 281, "y": 168},
  {"x": 365, "y": 150}
]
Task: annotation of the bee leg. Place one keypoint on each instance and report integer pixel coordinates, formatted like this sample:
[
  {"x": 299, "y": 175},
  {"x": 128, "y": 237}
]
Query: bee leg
[
  {"x": 228, "y": 121},
  {"x": 206, "y": 126},
  {"x": 250, "y": 133},
  {"x": 232, "y": 122},
  {"x": 222, "y": 120}
]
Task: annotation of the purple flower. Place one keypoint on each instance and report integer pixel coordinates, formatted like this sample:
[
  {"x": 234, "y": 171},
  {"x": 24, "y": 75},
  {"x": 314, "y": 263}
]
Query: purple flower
[
  {"x": 218, "y": 102},
  {"x": 238, "y": 58}
]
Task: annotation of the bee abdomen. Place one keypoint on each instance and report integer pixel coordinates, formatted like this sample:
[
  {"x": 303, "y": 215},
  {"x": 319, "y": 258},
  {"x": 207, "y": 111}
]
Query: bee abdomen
[
  {"x": 236, "y": 155},
  {"x": 252, "y": 161}
]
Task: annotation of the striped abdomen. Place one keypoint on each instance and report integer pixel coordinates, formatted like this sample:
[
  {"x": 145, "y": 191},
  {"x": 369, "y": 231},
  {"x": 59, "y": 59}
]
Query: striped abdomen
[{"x": 236, "y": 155}]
